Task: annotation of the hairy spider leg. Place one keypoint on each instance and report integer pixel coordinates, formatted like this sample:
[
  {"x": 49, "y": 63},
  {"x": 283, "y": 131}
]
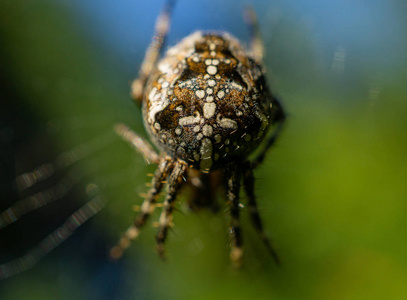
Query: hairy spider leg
[
  {"x": 256, "y": 42},
  {"x": 257, "y": 48},
  {"x": 146, "y": 209},
  {"x": 153, "y": 52},
  {"x": 232, "y": 176},
  {"x": 175, "y": 180},
  {"x": 141, "y": 146},
  {"x": 279, "y": 118},
  {"x": 248, "y": 184}
]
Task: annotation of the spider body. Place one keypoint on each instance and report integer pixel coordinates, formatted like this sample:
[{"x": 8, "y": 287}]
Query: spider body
[
  {"x": 207, "y": 103},
  {"x": 207, "y": 107}
]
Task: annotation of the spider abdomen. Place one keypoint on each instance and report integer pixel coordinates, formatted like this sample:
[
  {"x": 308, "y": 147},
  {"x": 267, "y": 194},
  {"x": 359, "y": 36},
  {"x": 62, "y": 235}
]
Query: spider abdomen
[{"x": 207, "y": 102}]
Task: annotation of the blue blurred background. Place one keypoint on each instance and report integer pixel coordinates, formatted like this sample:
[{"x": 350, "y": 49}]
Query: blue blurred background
[{"x": 332, "y": 193}]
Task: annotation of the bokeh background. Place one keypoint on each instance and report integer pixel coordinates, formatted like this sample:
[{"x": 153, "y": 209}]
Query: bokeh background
[{"x": 332, "y": 193}]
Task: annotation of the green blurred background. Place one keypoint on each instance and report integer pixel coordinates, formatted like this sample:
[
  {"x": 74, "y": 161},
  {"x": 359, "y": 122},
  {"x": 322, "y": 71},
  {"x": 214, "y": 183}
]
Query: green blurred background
[{"x": 332, "y": 193}]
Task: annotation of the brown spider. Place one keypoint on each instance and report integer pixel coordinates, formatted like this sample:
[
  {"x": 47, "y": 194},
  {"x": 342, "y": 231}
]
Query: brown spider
[{"x": 206, "y": 107}]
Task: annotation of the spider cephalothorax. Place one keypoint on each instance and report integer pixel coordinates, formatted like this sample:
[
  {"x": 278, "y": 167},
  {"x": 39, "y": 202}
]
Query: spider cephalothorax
[{"x": 207, "y": 107}]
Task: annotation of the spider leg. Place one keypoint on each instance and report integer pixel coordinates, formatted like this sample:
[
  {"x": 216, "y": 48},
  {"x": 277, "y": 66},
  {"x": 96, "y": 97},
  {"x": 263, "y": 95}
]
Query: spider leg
[
  {"x": 257, "y": 47},
  {"x": 142, "y": 146},
  {"x": 248, "y": 182},
  {"x": 279, "y": 117},
  {"x": 153, "y": 52},
  {"x": 256, "y": 42},
  {"x": 146, "y": 209},
  {"x": 175, "y": 180},
  {"x": 233, "y": 187}
]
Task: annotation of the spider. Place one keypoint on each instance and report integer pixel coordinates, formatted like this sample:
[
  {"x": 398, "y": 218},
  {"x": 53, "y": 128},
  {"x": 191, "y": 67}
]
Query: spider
[{"x": 206, "y": 106}]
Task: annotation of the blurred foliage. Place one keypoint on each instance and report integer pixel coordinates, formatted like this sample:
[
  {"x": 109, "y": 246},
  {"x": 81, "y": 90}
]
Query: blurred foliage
[{"x": 332, "y": 192}]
